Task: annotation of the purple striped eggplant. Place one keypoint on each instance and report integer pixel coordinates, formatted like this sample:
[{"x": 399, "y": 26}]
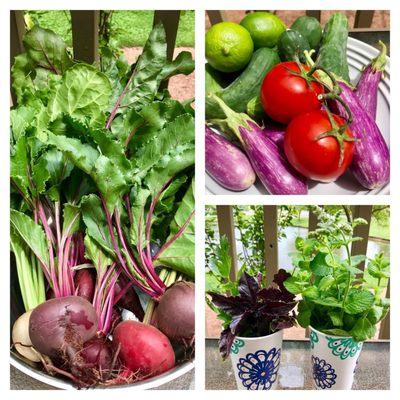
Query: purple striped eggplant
[
  {"x": 371, "y": 159},
  {"x": 227, "y": 164},
  {"x": 270, "y": 165},
  {"x": 276, "y": 133},
  {"x": 367, "y": 87}
]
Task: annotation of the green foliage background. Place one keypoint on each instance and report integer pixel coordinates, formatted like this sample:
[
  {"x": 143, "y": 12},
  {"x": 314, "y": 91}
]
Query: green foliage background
[
  {"x": 249, "y": 221},
  {"x": 129, "y": 28}
]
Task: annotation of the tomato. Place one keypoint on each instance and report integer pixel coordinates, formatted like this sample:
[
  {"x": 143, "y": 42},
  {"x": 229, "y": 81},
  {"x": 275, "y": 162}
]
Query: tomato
[
  {"x": 287, "y": 91},
  {"x": 315, "y": 157}
]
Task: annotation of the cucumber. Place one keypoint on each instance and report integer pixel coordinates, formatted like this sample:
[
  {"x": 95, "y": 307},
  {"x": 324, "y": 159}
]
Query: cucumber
[
  {"x": 255, "y": 109},
  {"x": 213, "y": 80},
  {"x": 291, "y": 45},
  {"x": 310, "y": 29},
  {"x": 332, "y": 54},
  {"x": 246, "y": 86}
]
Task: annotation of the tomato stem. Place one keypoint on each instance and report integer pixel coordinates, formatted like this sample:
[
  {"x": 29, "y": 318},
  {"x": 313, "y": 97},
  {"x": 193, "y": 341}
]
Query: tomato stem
[{"x": 338, "y": 132}]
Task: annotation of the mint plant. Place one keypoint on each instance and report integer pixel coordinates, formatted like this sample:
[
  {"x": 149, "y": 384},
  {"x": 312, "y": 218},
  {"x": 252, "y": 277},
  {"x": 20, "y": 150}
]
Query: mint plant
[{"x": 337, "y": 296}]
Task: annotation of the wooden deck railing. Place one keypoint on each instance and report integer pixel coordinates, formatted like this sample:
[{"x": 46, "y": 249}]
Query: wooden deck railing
[
  {"x": 362, "y": 21},
  {"x": 226, "y": 226},
  {"x": 85, "y": 39}
]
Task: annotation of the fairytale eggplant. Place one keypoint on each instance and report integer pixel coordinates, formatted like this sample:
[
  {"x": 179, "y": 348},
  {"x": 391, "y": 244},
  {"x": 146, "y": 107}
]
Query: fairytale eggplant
[
  {"x": 226, "y": 163},
  {"x": 371, "y": 158},
  {"x": 367, "y": 86},
  {"x": 270, "y": 165}
]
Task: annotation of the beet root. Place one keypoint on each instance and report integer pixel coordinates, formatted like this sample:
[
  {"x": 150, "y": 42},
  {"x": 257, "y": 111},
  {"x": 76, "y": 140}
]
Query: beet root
[
  {"x": 174, "y": 315},
  {"x": 85, "y": 283},
  {"x": 97, "y": 353},
  {"x": 143, "y": 349},
  {"x": 61, "y": 325}
]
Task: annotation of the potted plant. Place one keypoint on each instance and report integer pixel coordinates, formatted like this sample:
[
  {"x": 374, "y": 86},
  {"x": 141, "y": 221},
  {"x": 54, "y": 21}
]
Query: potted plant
[
  {"x": 253, "y": 316},
  {"x": 340, "y": 302}
]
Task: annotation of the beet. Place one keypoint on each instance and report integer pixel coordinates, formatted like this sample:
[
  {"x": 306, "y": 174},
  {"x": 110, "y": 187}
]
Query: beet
[
  {"x": 97, "y": 353},
  {"x": 143, "y": 349},
  {"x": 85, "y": 283},
  {"x": 59, "y": 325},
  {"x": 174, "y": 314}
]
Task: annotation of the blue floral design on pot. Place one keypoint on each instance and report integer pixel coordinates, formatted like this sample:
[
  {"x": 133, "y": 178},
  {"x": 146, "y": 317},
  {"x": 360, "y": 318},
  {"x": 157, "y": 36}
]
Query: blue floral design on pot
[
  {"x": 343, "y": 347},
  {"x": 236, "y": 345},
  {"x": 259, "y": 371},
  {"x": 323, "y": 373},
  {"x": 313, "y": 338}
]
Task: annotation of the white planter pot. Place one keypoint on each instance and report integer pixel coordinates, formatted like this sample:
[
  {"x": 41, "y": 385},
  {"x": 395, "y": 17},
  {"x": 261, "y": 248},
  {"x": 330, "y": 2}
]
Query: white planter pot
[
  {"x": 255, "y": 361},
  {"x": 334, "y": 360}
]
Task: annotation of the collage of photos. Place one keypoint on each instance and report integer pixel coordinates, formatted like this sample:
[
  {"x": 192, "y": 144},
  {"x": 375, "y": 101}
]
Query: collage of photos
[{"x": 111, "y": 278}]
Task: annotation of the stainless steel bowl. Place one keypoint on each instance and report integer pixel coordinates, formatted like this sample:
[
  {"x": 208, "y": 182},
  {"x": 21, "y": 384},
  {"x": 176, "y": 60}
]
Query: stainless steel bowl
[{"x": 33, "y": 370}]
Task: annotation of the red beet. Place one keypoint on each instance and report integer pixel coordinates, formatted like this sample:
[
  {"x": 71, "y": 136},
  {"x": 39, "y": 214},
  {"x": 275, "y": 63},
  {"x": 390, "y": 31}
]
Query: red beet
[
  {"x": 63, "y": 324},
  {"x": 143, "y": 349},
  {"x": 85, "y": 283},
  {"x": 174, "y": 314},
  {"x": 97, "y": 353}
]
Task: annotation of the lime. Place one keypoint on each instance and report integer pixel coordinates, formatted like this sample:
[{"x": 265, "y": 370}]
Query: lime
[
  {"x": 264, "y": 28},
  {"x": 228, "y": 47}
]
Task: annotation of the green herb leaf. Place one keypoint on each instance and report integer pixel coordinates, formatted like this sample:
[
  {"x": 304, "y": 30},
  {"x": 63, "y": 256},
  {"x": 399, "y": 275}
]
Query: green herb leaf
[
  {"x": 319, "y": 265},
  {"x": 358, "y": 301},
  {"x": 363, "y": 330},
  {"x": 336, "y": 317},
  {"x": 326, "y": 282}
]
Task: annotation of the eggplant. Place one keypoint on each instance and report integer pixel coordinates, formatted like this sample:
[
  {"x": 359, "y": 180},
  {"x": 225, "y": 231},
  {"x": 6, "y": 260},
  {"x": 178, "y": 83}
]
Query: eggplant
[
  {"x": 371, "y": 159},
  {"x": 367, "y": 87},
  {"x": 227, "y": 164},
  {"x": 276, "y": 133},
  {"x": 269, "y": 163}
]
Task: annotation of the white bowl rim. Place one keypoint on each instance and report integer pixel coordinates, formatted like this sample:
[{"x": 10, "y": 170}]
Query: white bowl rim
[{"x": 154, "y": 382}]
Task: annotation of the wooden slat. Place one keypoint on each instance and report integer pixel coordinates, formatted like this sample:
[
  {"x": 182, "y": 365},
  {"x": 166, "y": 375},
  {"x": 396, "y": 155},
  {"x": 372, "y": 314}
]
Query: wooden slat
[
  {"x": 384, "y": 332},
  {"x": 216, "y": 16},
  {"x": 361, "y": 231},
  {"x": 363, "y": 18},
  {"x": 170, "y": 20},
  {"x": 270, "y": 241},
  {"x": 312, "y": 221},
  {"x": 314, "y": 13},
  {"x": 312, "y": 226},
  {"x": 17, "y": 31},
  {"x": 226, "y": 228},
  {"x": 85, "y": 35}
]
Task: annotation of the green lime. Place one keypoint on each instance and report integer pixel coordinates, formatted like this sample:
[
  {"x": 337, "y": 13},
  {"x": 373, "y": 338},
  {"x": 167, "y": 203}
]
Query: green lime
[
  {"x": 264, "y": 27},
  {"x": 228, "y": 47}
]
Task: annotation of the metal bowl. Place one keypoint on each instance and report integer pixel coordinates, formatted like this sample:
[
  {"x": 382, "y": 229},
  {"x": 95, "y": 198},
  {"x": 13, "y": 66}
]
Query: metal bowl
[{"x": 33, "y": 369}]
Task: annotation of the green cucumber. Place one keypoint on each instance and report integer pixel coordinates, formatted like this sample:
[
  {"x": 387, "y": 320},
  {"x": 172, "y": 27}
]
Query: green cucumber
[
  {"x": 332, "y": 54},
  {"x": 291, "y": 46},
  {"x": 310, "y": 29},
  {"x": 255, "y": 109},
  {"x": 213, "y": 80},
  {"x": 246, "y": 86}
]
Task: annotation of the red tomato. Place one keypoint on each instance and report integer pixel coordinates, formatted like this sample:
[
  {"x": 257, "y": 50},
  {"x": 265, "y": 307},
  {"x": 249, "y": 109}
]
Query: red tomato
[
  {"x": 314, "y": 157},
  {"x": 285, "y": 94}
]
